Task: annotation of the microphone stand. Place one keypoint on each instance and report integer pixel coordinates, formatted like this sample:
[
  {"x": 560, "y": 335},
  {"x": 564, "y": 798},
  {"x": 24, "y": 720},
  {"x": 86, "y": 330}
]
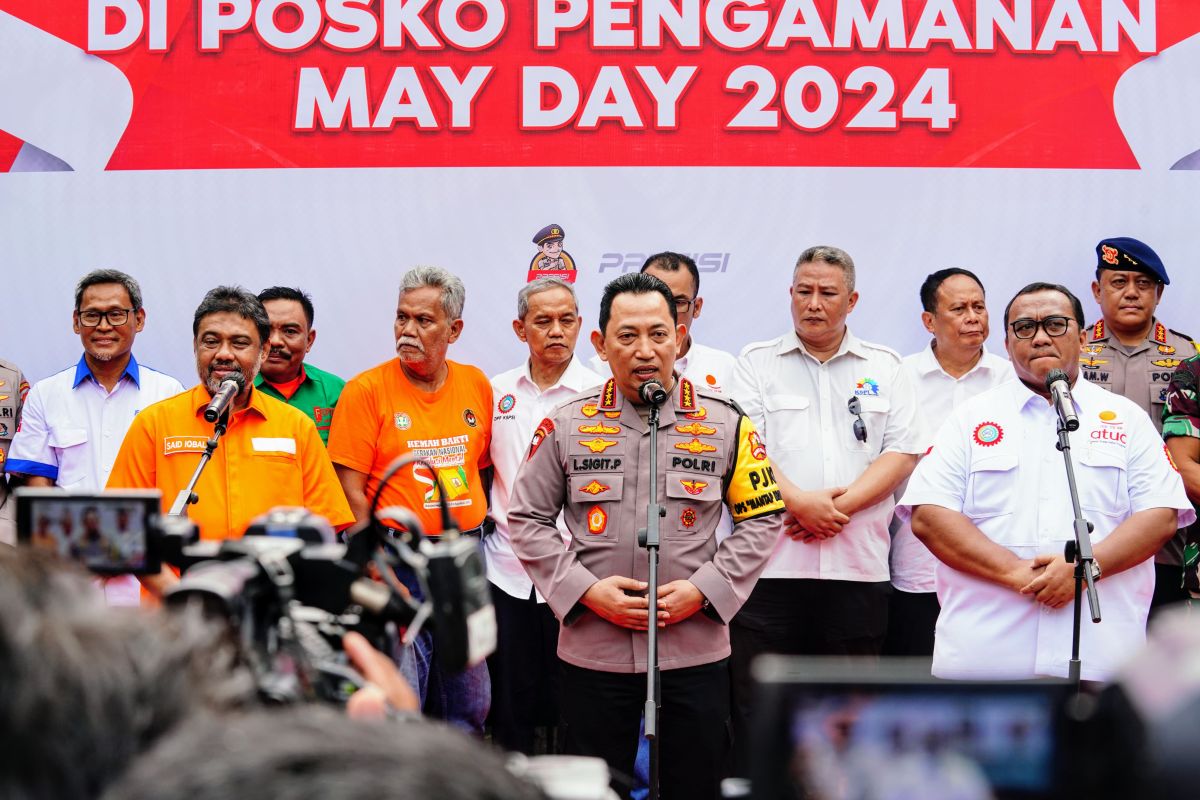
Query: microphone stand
[
  {"x": 649, "y": 539},
  {"x": 1078, "y": 551},
  {"x": 187, "y": 496}
]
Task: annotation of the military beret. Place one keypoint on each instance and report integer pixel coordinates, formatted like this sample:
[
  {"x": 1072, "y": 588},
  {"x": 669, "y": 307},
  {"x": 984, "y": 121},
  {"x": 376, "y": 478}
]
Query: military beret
[
  {"x": 547, "y": 233},
  {"x": 1130, "y": 255}
]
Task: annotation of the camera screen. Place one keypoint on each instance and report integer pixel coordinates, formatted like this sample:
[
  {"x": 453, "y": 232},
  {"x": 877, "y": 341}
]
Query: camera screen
[
  {"x": 106, "y": 534},
  {"x": 857, "y": 744}
]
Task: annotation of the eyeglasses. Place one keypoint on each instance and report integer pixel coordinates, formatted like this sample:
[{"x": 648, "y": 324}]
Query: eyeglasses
[
  {"x": 860, "y": 427},
  {"x": 1028, "y": 328},
  {"x": 114, "y": 316},
  {"x": 682, "y": 304}
]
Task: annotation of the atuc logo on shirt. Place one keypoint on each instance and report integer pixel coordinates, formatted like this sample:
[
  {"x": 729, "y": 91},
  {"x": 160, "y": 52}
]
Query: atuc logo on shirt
[{"x": 866, "y": 387}]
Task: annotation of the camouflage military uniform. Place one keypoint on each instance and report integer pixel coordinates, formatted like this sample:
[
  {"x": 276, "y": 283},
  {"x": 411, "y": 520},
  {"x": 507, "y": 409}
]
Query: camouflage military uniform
[
  {"x": 13, "y": 388},
  {"x": 1181, "y": 417}
]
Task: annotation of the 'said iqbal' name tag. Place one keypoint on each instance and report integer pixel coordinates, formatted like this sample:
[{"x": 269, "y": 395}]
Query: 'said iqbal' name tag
[
  {"x": 267, "y": 444},
  {"x": 175, "y": 445}
]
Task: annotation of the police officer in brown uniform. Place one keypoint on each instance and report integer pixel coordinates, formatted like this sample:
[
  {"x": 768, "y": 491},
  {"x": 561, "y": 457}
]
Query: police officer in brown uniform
[
  {"x": 1130, "y": 352},
  {"x": 13, "y": 388},
  {"x": 590, "y": 459}
]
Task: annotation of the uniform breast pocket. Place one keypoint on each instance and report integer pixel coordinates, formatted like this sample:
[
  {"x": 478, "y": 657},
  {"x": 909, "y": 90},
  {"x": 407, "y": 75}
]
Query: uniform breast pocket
[
  {"x": 74, "y": 465},
  {"x": 991, "y": 491},
  {"x": 874, "y": 411},
  {"x": 789, "y": 421},
  {"x": 595, "y": 498},
  {"x": 693, "y": 504},
  {"x": 1101, "y": 480},
  {"x": 280, "y": 475}
]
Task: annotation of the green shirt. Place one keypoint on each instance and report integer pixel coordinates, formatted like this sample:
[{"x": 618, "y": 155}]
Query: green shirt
[{"x": 316, "y": 396}]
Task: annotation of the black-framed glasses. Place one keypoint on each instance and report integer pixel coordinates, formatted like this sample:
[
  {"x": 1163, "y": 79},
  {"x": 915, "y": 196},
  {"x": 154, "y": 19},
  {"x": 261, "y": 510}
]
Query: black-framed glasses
[
  {"x": 1028, "y": 328},
  {"x": 114, "y": 316},
  {"x": 683, "y": 304},
  {"x": 860, "y": 427}
]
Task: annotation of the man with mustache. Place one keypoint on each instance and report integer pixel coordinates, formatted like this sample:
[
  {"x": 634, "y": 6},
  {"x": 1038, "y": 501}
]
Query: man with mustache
[
  {"x": 270, "y": 455},
  {"x": 420, "y": 402},
  {"x": 285, "y": 375},
  {"x": 73, "y": 422},
  {"x": 1131, "y": 352}
]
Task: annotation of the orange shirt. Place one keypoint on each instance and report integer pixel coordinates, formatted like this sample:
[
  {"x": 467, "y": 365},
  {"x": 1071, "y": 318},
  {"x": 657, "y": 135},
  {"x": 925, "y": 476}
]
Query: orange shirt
[
  {"x": 382, "y": 416},
  {"x": 271, "y": 456}
]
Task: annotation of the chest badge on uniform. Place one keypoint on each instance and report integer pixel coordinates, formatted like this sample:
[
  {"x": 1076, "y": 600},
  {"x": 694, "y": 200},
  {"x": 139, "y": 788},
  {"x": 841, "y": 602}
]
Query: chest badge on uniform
[
  {"x": 1166, "y": 349},
  {"x": 590, "y": 410},
  {"x": 695, "y": 447},
  {"x": 988, "y": 434},
  {"x": 687, "y": 518},
  {"x": 402, "y": 420},
  {"x": 700, "y": 413},
  {"x": 693, "y": 487},
  {"x": 597, "y": 520},
  {"x": 1167, "y": 362},
  {"x": 594, "y": 488},
  {"x": 469, "y": 417},
  {"x": 866, "y": 387},
  {"x": 597, "y": 445},
  {"x": 696, "y": 429},
  {"x": 600, "y": 428},
  {"x": 507, "y": 404}
]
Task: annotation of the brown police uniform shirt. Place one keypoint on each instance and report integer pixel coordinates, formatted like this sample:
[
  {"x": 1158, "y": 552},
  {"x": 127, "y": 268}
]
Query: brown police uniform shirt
[
  {"x": 590, "y": 459},
  {"x": 1141, "y": 373},
  {"x": 13, "y": 388}
]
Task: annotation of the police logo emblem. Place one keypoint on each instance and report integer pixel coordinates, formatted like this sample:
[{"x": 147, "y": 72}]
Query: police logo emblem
[
  {"x": 695, "y": 447},
  {"x": 597, "y": 520},
  {"x": 594, "y": 488},
  {"x": 696, "y": 429},
  {"x": 544, "y": 429},
  {"x": 687, "y": 518},
  {"x": 597, "y": 445},
  {"x": 693, "y": 487}
]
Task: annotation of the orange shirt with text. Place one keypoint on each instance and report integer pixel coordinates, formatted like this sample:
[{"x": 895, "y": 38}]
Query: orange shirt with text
[{"x": 382, "y": 416}]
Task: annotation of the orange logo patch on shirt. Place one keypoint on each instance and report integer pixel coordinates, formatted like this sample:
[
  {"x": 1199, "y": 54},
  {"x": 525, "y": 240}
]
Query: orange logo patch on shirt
[
  {"x": 597, "y": 520},
  {"x": 175, "y": 445},
  {"x": 696, "y": 429},
  {"x": 695, "y": 447},
  {"x": 598, "y": 445},
  {"x": 595, "y": 488},
  {"x": 600, "y": 427}
]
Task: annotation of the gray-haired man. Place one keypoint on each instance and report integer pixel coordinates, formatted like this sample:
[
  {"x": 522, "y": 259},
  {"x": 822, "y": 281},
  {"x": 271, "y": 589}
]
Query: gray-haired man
[{"x": 524, "y": 667}]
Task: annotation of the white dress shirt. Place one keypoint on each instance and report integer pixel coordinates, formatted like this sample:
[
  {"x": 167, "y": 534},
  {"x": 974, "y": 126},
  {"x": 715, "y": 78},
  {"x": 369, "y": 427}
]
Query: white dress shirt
[
  {"x": 800, "y": 406},
  {"x": 72, "y": 428},
  {"x": 996, "y": 462},
  {"x": 519, "y": 405},
  {"x": 703, "y": 366},
  {"x": 938, "y": 394}
]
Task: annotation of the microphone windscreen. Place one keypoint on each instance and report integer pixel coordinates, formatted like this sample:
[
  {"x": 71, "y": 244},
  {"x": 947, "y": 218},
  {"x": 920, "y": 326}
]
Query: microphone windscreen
[{"x": 1055, "y": 376}]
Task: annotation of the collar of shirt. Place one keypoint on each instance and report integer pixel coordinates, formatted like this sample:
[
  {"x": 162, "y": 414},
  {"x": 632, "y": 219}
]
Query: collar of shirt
[
  {"x": 82, "y": 372},
  {"x": 288, "y": 389},
  {"x": 574, "y": 377},
  {"x": 201, "y": 398},
  {"x": 1023, "y": 397},
  {"x": 850, "y": 344},
  {"x": 927, "y": 362}
]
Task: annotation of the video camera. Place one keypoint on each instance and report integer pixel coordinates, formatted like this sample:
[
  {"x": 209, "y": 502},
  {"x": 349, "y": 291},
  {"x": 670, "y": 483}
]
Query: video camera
[{"x": 288, "y": 588}]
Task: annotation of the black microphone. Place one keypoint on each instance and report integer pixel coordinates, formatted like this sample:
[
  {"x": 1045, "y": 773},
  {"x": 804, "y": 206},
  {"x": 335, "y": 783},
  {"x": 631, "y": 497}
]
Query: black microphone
[
  {"x": 1059, "y": 386},
  {"x": 230, "y": 387},
  {"x": 652, "y": 393}
]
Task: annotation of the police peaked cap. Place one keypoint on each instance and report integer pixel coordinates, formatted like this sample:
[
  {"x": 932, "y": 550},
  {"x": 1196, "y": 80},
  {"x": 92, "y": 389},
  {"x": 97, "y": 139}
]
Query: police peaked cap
[
  {"x": 547, "y": 233},
  {"x": 1130, "y": 255}
]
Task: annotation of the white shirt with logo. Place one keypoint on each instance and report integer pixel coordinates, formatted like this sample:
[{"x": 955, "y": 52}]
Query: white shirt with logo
[
  {"x": 996, "y": 462},
  {"x": 518, "y": 405},
  {"x": 801, "y": 408},
  {"x": 938, "y": 394}
]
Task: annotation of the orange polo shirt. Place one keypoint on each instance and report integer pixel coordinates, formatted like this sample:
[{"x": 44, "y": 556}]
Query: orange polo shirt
[
  {"x": 270, "y": 456},
  {"x": 382, "y": 416}
]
